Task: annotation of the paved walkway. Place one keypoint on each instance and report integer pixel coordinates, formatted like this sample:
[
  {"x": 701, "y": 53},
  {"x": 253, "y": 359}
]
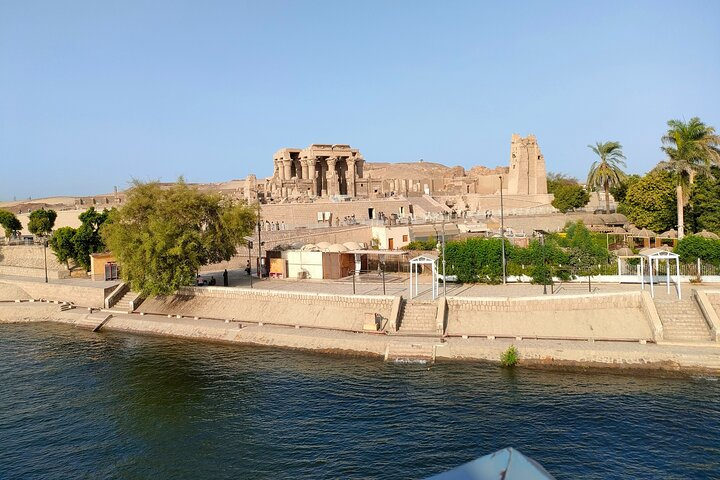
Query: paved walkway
[
  {"x": 76, "y": 282},
  {"x": 398, "y": 284}
]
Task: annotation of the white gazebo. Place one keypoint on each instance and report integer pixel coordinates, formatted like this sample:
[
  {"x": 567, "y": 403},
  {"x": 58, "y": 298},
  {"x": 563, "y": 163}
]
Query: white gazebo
[
  {"x": 425, "y": 259},
  {"x": 654, "y": 256}
]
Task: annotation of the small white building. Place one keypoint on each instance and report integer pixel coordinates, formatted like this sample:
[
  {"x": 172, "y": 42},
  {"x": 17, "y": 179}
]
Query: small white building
[{"x": 391, "y": 237}]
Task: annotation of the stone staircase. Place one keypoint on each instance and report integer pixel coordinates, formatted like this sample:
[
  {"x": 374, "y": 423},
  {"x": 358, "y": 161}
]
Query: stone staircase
[
  {"x": 682, "y": 320},
  {"x": 418, "y": 318},
  {"x": 410, "y": 352},
  {"x": 124, "y": 304}
]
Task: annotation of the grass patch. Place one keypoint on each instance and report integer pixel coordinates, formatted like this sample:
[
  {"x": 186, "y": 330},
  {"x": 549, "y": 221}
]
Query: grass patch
[{"x": 509, "y": 357}]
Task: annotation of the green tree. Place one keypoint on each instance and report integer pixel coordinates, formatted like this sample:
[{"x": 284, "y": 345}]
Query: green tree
[
  {"x": 61, "y": 243},
  {"x": 10, "y": 223},
  {"x": 87, "y": 239},
  {"x": 650, "y": 202},
  {"x": 619, "y": 191},
  {"x": 606, "y": 172},
  {"x": 555, "y": 180},
  {"x": 162, "y": 236},
  {"x": 693, "y": 247},
  {"x": 691, "y": 148},
  {"x": 41, "y": 222},
  {"x": 476, "y": 259},
  {"x": 704, "y": 203},
  {"x": 570, "y": 196}
]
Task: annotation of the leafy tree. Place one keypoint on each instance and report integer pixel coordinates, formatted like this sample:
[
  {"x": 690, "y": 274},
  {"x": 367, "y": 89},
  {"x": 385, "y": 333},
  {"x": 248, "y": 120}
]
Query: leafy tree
[
  {"x": 584, "y": 249},
  {"x": 704, "y": 203},
  {"x": 606, "y": 173},
  {"x": 87, "y": 239},
  {"x": 570, "y": 196},
  {"x": 619, "y": 191},
  {"x": 79, "y": 243},
  {"x": 691, "y": 149},
  {"x": 41, "y": 222},
  {"x": 650, "y": 202},
  {"x": 62, "y": 244},
  {"x": 161, "y": 236},
  {"x": 476, "y": 259},
  {"x": 9, "y": 223},
  {"x": 429, "y": 244},
  {"x": 693, "y": 247},
  {"x": 555, "y": 180}
]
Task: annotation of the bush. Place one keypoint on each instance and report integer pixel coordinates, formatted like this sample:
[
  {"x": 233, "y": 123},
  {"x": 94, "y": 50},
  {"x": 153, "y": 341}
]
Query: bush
[
  {"x": 509, "y": 357},
  {"x": 477, "y": 260},
  {"x": 429, "y": 244},
  {"x": 692, "y": 247}
]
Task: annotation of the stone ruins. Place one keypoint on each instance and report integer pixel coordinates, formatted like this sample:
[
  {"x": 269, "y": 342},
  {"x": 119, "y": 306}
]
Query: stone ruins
[{"x": 323, "y": 171}]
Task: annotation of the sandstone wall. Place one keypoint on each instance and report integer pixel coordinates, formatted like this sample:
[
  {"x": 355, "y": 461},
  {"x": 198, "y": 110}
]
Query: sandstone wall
[
  {"x": 84, "y": 296},
  {"x": 341, "y": 312},
  {"x": 29, "y": 261},
  {"x": 599, "y": 317}
]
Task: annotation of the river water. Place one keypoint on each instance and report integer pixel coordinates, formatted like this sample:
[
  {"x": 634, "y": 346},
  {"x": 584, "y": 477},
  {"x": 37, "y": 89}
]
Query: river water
[{"x": 74, "y": 404}]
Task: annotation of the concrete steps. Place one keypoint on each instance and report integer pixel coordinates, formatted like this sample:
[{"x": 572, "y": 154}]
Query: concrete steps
[
  {"x": 418, "y": 318},
  {"x": 124, "y": 304},
  {"x": 682, "y": 320},
  {"x": 410, "y": 352},
  {"x": 93, "y": 321}
]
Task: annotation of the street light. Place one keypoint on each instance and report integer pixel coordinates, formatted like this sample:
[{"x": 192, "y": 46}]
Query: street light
[
  {"x": 45, "y": 245},
  {"x": 250, "y": 246},
  {"x": 443, "y": 257},
  {"x": 259, "y": 240},
  {"x": 502, "y": 230}
]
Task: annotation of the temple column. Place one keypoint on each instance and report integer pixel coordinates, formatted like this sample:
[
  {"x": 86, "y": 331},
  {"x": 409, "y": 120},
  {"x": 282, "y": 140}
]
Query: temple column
[
  {"x": 360, "y": 163},
  {"x": 332, "y": 176},
  {"x": 311, "y": 174},
  {"x": 280, "y": 169},
  {"x": 304, "y": 167},
  {"x": 350, "y": 177},
  {"x": 286, "y": 169}
]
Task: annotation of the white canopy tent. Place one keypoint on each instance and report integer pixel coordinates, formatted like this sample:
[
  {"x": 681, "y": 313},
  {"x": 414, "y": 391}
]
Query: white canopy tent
[
  {"x": 654, "y": 256},
  {"x": 425, "y": 259}
]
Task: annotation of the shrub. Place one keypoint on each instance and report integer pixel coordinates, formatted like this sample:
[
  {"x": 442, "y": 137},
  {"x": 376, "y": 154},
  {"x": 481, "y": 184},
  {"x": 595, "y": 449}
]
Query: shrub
[{"x": 509, "y": 357}]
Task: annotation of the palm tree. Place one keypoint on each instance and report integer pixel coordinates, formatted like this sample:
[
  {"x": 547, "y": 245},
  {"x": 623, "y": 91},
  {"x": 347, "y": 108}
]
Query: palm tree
[
  {"x": 691, "y": 149},
  {"x": 606, "y": 173}
]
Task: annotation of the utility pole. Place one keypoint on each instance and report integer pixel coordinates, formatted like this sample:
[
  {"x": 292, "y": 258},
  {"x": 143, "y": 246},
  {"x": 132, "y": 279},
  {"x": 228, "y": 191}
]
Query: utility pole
[
  {"x": 502, "y": 231},
  {"x": 259, "y": 269},
  {"x": 45, "y": 244},
  {"x": 443, "y": 257},
  {"x": 250, "y": 245}
]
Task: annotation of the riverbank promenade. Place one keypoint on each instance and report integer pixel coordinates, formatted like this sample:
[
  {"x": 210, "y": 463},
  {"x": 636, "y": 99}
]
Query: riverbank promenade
[{"x": 603, "y": 325}]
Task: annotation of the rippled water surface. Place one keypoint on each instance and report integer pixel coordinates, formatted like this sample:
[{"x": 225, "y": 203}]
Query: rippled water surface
[{"x": 74, "y": 404}]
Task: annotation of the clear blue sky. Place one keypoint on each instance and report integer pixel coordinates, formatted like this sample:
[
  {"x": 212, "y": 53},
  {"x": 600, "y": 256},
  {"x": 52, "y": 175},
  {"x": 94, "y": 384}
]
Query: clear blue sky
[{"x": 93, "y": 93}]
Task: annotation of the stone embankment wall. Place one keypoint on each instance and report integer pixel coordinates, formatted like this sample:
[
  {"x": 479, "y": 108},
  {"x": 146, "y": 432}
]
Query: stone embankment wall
[
  {"x": 62, "y": 292},
  {"x": 29, "y": 261},
  {"x": 318, "y": 310},
  {"x": 598, "y": 317}
]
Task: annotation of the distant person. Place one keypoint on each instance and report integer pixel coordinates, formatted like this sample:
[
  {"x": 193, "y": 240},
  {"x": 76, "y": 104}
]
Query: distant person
[
  {"x": 247, "y": 267},
  {"x": 225, "y": 278},
  {"x": 212, "y": 281}
]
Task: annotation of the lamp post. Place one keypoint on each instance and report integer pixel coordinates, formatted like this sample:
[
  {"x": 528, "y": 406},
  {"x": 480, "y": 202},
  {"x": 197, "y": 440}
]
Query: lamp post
[
  {"x": 45, "y": 244},
  {"x": 443, "y": 257},
  {"x": 542, "y": 238},
  {"x": 250, "y": 245},
  {"x": 502, "y": 230},
  {"x": 382, "y": 264},
  {"x": 259, "y": 271}
]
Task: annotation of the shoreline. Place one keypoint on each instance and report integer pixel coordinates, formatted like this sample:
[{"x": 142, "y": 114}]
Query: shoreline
[{"x": 680, "y": 360}]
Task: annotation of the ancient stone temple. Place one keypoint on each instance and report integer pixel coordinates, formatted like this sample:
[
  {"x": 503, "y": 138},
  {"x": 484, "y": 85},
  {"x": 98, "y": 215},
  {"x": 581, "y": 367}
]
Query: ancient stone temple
[
  {"x": 318, "y": 171},
  {"x": 526, "y": 175}
]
